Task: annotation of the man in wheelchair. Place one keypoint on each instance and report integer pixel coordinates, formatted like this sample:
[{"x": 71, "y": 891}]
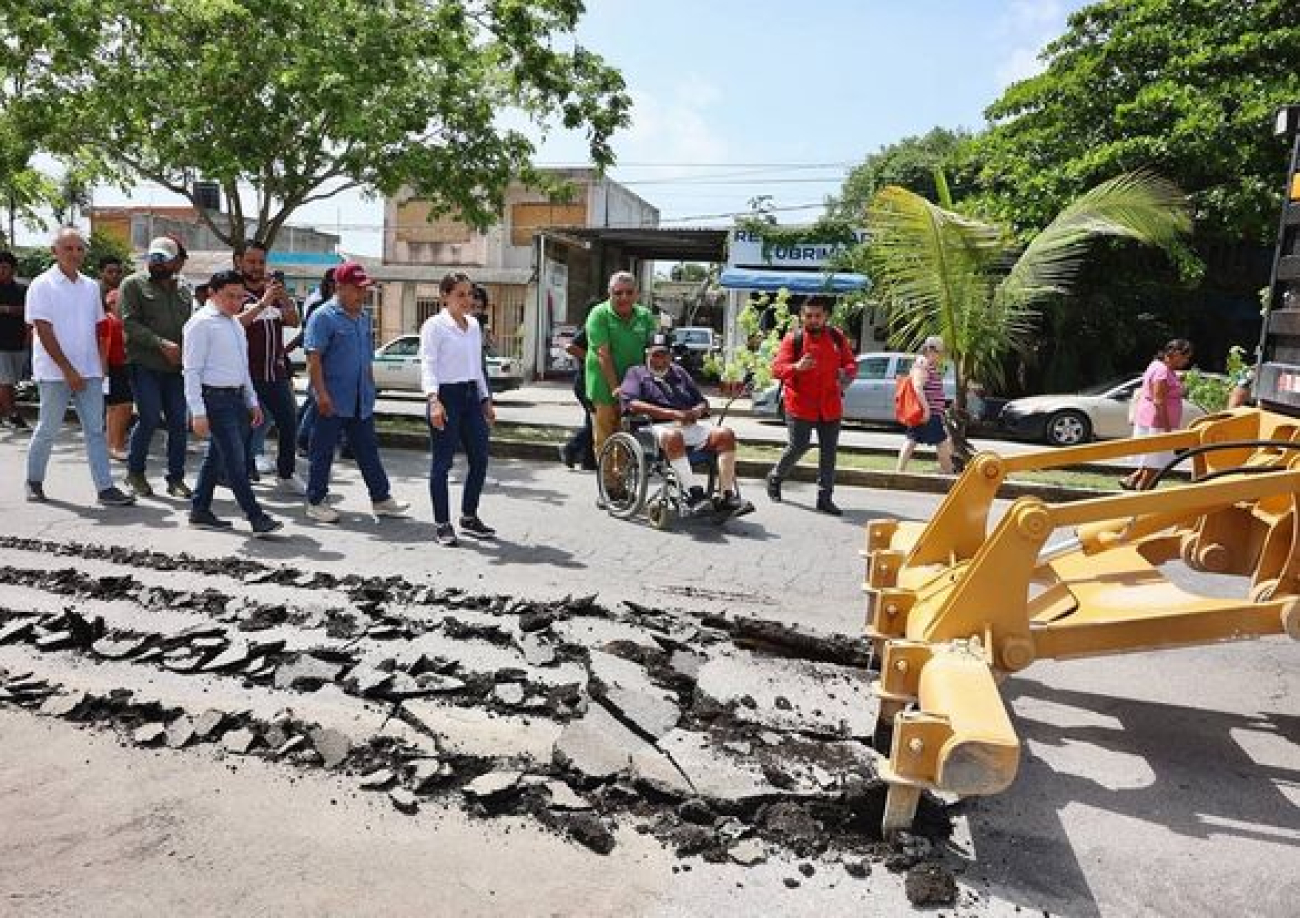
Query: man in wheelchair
[{"x": 665, "y": 392}]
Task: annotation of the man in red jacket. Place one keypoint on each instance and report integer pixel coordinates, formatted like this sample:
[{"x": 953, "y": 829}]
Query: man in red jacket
[{"x": 813, "y": 363}]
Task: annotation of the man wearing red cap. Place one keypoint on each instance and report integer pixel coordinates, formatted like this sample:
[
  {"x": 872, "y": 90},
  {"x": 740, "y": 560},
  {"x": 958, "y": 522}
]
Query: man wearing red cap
[{"x": 338, "y": 344}]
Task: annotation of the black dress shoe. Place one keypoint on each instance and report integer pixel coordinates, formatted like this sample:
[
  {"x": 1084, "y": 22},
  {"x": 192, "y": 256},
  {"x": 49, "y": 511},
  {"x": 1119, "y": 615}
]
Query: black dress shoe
[
  {"x": 826, "y": 505},
  {"x": 774, "y": 489}
]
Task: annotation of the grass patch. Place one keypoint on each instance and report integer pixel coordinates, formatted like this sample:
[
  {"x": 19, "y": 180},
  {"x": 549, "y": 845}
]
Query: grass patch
[{"x": 874, "y": 462}]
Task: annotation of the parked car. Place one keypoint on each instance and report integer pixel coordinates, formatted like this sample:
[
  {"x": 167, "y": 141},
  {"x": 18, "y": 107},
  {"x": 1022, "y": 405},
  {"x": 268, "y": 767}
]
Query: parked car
[
  {"x": 397, "y": 367},
  {"x": 870, "y": 396},
  {"x": 1099, "y": 412},
  {"x": 692, "y": 345}
]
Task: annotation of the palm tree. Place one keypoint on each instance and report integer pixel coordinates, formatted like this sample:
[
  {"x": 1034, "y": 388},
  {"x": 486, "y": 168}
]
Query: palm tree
[{"x": 943, "y": 273}]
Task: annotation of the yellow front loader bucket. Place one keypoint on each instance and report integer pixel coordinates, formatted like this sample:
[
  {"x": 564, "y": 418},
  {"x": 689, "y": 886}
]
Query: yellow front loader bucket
[{"x": 954, "y": 605}]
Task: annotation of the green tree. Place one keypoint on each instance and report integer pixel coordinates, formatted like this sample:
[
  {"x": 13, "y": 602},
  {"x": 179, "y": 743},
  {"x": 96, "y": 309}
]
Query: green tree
[
  {"x": 285, "y": 102},
  {"x": 911, "y": 163},
  {"x": 944, "y": 273},
  {"x": 1185, "y": 88}
]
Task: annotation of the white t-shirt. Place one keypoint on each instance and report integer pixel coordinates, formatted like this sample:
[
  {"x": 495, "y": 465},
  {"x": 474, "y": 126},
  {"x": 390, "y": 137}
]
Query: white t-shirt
[{"x": 74, "y": 310}]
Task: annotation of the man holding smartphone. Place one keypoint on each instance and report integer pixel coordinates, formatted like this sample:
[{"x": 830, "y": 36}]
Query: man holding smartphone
[
  {"x": 813, "y": 363},
  {"x": 268, "y": 309}
]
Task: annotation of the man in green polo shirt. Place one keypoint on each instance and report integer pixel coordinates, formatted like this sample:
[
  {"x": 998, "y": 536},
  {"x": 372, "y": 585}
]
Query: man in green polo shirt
[{"x": 618, "y": 331}]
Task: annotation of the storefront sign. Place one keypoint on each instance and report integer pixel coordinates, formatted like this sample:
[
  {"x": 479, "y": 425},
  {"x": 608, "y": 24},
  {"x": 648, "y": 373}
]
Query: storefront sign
[{"x": 745, "y": 250}]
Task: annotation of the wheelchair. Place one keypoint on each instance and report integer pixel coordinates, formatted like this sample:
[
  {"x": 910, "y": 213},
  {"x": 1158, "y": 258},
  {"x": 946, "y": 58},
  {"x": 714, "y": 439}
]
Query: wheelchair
[{"x": 633, "y": 475}]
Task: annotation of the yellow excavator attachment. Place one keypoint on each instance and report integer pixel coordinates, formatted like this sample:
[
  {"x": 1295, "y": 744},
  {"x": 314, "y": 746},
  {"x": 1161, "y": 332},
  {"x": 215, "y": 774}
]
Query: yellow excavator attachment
[{"x": 957, "y": 604}]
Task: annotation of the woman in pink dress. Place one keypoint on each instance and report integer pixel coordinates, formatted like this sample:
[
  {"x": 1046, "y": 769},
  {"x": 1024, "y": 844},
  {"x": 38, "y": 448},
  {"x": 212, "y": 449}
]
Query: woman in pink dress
[{"x": 1158, "y": 408}]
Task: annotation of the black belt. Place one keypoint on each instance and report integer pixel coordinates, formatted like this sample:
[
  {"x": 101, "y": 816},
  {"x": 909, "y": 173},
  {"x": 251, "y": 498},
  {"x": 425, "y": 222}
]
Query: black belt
[{"x": 223, "y": 388}]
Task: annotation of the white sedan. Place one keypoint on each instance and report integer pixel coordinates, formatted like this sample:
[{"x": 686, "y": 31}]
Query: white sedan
[
  {"x": 1100, "y": 413},
  {"x": 397, "y": 367}
]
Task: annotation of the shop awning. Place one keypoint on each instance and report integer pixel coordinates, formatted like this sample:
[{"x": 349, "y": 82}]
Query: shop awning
[{"x": 794, "y": 281}]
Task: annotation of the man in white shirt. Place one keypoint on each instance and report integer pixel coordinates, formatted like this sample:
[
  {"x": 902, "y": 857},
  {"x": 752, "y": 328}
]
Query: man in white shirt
[
  {"x": 64, "y": 309},
  {"x": 222, "y": 402}
]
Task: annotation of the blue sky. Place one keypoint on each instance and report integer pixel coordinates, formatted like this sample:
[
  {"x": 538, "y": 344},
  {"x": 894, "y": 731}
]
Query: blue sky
[{"x": 719, "y": 85}]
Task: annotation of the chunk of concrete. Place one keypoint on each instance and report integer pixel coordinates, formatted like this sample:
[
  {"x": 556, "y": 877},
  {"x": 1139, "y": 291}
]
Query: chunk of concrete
[
  {"x": 148, "y": 734},
  {"x": 536, "y": 652},
  {"x": 118, "y": 648},
  {"x": 208, "y": 723},
  {"x": 630, "y": 694},
  {"x": 439, "y": 684},
  {"x": 404, "y": 801},
  {"x": 791, "y": 694},
  {"x": 180, "y": 732},
  {"x": 493, "y": 784},
  {"x": 599, "y": 747},
  {"x": 712, "y": 774},
  {"x": 63, "y": 705},
  {"x": 509, "y": 693},
  {"x": 378, "y": 779},
  {"x": 17, "y": 629},
  {"x": 425, "y": 773},
  {"x": 332, "y": 745},
  {"x": 237, "y": 654},
  {"x": 306, "y": 673},
  {"x": 748, "y": 852},
  {"x": 55, "y": 640},
  {"x": 239, "y": 741},
  {"x": 563, "y": 797},
  {"x": 367, "y": 681}
]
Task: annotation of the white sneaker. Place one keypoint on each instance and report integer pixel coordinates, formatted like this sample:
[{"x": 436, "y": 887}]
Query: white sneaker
[
  {"x": 265, "y": 464},
  {"x": 293, "y": 484},
  {"x": 322, "y": 513},
  {"x": 390, "y": 507}
]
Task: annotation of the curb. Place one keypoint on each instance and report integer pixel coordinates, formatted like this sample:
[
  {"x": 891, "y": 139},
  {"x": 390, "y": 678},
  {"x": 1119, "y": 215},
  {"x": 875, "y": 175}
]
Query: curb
[{"x": 534, "y": 451}]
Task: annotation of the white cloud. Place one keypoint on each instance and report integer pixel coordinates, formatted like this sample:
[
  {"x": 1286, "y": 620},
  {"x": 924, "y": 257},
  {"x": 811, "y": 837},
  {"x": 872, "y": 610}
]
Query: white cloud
[
  {"x": 676, "y": 129},
  {"x": 1028, "y": 26}
]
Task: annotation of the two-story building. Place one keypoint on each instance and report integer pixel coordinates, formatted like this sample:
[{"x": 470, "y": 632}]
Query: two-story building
[
  {"x": 539, "y": 274},
  {"x": 302, "y": 253}
]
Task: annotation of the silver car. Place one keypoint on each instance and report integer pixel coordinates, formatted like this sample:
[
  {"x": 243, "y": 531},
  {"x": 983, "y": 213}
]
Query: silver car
[
  {"x": 870, "y": 397},
  {"x": 397, "y": 367}
]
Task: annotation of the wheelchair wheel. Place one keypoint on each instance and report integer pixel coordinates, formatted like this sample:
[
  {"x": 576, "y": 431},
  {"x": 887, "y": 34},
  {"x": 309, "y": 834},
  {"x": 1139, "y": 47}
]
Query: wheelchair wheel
[
  {"x": 660, "y": 513},
  {"x": 623, "y": 475}
]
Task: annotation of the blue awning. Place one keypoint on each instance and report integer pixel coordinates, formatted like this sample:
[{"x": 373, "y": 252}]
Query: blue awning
[{"x": 793, "y": 281}]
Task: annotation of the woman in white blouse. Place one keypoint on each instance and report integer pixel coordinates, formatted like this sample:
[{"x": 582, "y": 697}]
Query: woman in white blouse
[{"x": 459, "y": 405}]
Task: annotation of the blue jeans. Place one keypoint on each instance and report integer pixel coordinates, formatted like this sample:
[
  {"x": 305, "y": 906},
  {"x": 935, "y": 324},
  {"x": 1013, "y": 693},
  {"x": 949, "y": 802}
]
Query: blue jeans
[
  {"x": 279, "y": 407},
  {"x": 361, "y": 436},
  {"x": 465, "y": 427},
  {"x": 581, "y": 446},
  {"x": 89, "y": 403},
  {"x": 828, "y": 437},
  {"x": 158, "y": 396},
  {"x": 307, "y": 420},
  {"x": 226, "y": 454}
]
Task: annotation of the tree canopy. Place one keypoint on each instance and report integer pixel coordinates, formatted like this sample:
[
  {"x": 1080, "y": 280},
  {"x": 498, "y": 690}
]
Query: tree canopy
[
  {"x": 911, "y": 163},
  {"x": 299, "y": 101},
  {"x": 1186, "y": 88},
  {"x": 942, "y": 272}
]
